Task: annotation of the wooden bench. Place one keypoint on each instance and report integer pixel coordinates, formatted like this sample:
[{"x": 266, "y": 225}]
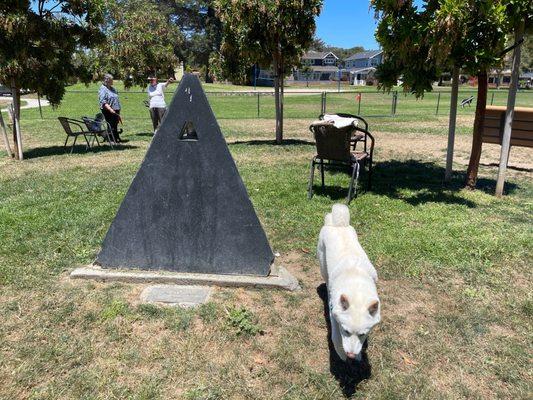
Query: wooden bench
[{"x": 522, "y": 132}]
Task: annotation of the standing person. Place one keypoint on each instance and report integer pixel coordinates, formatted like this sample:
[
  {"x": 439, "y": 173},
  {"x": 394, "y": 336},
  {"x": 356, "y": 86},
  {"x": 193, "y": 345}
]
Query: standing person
[
  {"x": 156, "y": 94},
  {"x": 110, "y": 105}
]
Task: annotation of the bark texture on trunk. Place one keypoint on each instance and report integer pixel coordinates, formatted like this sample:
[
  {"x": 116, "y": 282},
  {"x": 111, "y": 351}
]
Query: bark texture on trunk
[
  {"x": 451, "y": 124},
  {"x": 5, "y": 137},
  {"x": 509, "y": 114},
  {"x": 281, "y": 102},
  {"x": 475, "y": 154},
  {"x": 17, "y": 137},
  {"x": 278, "y": 94}
]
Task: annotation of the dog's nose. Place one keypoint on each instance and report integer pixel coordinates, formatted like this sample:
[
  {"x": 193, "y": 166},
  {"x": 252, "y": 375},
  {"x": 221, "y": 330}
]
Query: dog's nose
[{"x": 350, "y": 355}]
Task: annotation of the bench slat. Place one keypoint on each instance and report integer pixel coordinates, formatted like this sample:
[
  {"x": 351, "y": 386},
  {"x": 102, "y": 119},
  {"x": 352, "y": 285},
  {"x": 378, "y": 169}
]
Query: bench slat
[{"x": 522, "y": 128}]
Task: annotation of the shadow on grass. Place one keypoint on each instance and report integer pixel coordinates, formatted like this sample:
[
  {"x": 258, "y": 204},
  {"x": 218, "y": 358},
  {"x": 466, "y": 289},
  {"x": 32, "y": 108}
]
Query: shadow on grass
[
  {"x": 521, "y": 169},
  {"x": 335, "y": 192},
  {"x": 412, "y": 181},
  {"x": 286, "y": 142},
  {"x": 395, "y": 179},
  {"x": 147, "y": 134},
  {"x": 349, "y": 374},
  {"x": 78, "y": 149}
]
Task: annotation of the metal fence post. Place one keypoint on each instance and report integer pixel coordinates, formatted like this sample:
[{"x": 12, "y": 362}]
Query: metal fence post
[
  {"x": 438, "y": 104},
  {"x": 393, "y": 103},
  {"x": 359, "y": 104},
  {"x": 492, "y": 98},
  {"x": 39, "y": 101},
  {"x": 258, "y": 105}
]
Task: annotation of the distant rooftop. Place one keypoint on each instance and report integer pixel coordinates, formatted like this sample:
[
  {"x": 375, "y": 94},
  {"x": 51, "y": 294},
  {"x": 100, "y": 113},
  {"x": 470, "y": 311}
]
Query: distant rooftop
[
  {"x": 313, "y": 55},
  {"x": 364, "y": 54}
]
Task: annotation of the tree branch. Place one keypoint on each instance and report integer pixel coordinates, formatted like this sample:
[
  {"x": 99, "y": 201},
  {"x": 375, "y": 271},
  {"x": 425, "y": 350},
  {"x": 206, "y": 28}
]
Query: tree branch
[{"x": 508, "y": 49}]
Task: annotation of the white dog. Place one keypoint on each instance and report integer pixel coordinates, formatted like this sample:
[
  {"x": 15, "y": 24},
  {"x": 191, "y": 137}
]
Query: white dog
[{"x": 354, "y": 307}]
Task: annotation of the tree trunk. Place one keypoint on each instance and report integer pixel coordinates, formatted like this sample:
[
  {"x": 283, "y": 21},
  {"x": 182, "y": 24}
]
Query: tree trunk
[
  {"x": 451, "y": 124},
  {"x": 207, "y": 74},
  {"x": 509, "y": 113},
  {"x": 281, "y": 102},
  {"x": 278, "y": 101},
  {"x": 17, "y": 137},
  {"x": 40, "y": 107},
  {"x": 5, "y": 137},
  {"x": 475, "y": 154}
]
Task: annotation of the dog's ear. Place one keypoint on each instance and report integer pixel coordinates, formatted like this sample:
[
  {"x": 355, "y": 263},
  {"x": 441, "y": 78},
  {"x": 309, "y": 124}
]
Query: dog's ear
[
  {"x": 344, "y": 302},
  {"x": 373, "y": 308}
]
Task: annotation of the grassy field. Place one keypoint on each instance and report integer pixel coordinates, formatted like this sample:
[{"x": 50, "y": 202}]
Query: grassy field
[
  {"x": 455, "y": 270},
  {"x": 228, "y": 102}
]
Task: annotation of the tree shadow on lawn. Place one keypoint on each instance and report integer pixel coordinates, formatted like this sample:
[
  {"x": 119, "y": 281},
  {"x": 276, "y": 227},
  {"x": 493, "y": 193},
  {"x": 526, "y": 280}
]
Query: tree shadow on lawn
[
  {"x": 78, "y": 149},
  {"x": 147, "y": 134},
  {"x": 514, "y": 168},
  {"x": 349, "y": 374},
  {"x": 286, "y": 142},
  {"x": 392, "y": 178},
  {"x": 414, "y": 182}
]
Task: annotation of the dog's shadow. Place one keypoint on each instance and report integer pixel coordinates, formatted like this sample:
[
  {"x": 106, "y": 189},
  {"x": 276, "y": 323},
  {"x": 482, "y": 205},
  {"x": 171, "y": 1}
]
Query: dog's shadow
[{"x": 350, "y": 373}]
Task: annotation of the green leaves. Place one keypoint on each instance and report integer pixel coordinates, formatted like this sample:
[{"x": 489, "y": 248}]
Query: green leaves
[
  {"x": 141, "y": 41},
  {"x": 265, "y": 32},
  {"x": 419, "y": 44},
  {"x": 39, "y": 42}
]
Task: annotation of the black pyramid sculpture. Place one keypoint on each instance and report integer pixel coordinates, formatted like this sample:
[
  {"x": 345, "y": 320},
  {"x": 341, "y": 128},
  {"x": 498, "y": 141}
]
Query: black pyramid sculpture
[{"x": 187, "y": 209}]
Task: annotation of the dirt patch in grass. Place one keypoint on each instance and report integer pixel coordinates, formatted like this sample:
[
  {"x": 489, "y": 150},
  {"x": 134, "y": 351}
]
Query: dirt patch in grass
[
  {"x": 134, "y": 347},
  {"x": 389, "y": 144}
]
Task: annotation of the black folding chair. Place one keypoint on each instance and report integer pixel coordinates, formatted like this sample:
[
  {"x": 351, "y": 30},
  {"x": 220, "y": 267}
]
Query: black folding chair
[
  {"x": 74, "y": 128},
  {"x": 98, "y": 126}
]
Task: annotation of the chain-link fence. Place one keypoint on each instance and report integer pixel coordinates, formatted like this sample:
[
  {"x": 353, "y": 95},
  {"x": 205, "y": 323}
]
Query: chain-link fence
[{"x": 302, "y": 104}]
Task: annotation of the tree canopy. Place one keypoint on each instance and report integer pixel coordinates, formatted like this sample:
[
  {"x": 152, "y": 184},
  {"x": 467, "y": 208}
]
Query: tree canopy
[
  {"x": 421, "y": 43},
  {"x": 201, "y": 30},
  {"x": 140, "y": 41},
  {"x": 39, "y": 39},
  {"x": 271, "y": 33},
  {"x": 38, "y": 42}
]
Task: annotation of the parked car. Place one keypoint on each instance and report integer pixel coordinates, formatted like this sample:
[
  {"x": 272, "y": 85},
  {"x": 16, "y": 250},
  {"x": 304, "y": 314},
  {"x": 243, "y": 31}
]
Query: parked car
[{"x": 5, "y": 91}]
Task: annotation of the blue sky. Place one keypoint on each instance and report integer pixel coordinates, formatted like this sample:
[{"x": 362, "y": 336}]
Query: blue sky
[{"x": 348, "y": 23}]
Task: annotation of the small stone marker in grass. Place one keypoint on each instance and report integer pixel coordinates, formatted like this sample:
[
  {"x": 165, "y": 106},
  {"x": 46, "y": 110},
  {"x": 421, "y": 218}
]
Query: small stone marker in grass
[{"x": 173, "y": 295}]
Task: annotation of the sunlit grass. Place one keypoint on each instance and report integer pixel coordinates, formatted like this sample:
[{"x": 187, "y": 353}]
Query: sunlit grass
[{"x": 455, "y": 269}]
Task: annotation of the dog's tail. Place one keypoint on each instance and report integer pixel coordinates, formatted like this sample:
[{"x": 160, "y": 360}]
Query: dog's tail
[{"x": 339, "y": 216}]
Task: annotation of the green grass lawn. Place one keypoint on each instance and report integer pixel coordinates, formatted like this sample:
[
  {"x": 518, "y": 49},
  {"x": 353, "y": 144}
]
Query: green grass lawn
[
  {"x": 454, "y": 265},
  {"x": 80, "y": 101}
]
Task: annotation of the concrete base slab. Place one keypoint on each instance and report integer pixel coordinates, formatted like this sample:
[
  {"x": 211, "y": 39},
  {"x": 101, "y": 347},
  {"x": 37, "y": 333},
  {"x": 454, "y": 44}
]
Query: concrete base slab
[
  {"x": 176, "y": 295},
  {"x": 279, "y": 278}
]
